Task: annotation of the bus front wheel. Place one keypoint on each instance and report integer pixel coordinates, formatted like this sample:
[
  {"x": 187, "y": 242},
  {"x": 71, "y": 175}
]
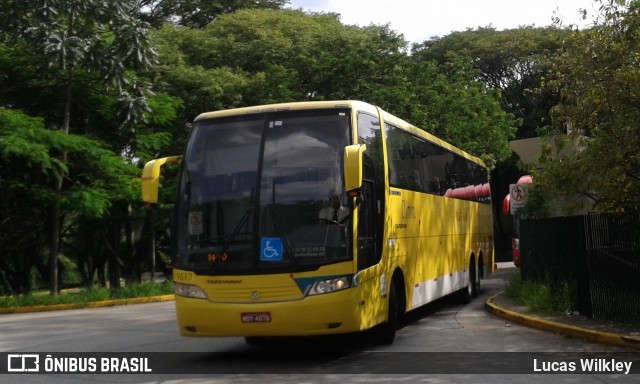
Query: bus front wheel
[
  {"x": 386, "y": 332},
  {"x": 255, "y": 340}
]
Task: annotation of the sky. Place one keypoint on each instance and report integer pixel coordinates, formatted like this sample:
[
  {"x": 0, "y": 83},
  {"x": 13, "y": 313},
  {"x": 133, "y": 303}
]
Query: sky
[{"x": 418, "y": 20}]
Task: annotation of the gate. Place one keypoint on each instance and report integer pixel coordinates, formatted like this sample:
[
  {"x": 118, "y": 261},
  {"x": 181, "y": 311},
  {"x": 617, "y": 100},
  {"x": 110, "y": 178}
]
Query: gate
[
  {"x": 612, "y": 243},
  {"x": 597, "y": 255}
]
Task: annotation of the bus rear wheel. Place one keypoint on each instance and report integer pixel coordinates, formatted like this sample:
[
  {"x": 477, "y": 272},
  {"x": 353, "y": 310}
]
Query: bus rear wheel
[
  {"x": 477, "y": 276},
  {"x": 471, "y": 290}
]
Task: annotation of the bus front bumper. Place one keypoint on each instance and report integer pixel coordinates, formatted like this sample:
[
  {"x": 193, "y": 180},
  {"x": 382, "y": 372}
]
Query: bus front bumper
[{"x": 334, "y": 313}]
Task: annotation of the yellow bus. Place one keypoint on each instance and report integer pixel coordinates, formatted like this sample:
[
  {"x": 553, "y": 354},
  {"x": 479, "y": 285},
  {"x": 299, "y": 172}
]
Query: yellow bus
[{"x": 318, "y": 218}]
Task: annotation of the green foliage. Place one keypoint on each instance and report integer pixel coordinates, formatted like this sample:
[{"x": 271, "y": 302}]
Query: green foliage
[
  {"x": 198, "y": 13},
  {"x": 83, "y": 41},
  {"x": 254, "y": 57},
  {"x": 154, "y": 138},
  {"x": 512, "y": 61},
  {"x": 259, "y": 57},
  {"x": 597, "y": 77},
  {"x": 29, "y": 171},
  {"x": 449, "y": 102},
  {"x": 98, "y": 174},
  {"x": 97, "y": 34},
  {"x": 538, "y": 205},
  {"x": 89, "y": 295},
  {"x": 21, "y": 142},
  {"x": 83, "y": 55},
  {"x": 28, "y": 152},
  {"x": 540, "y": 297},
  {"x": 143, "y": 290},
  {"x": 26, "y": 173}
]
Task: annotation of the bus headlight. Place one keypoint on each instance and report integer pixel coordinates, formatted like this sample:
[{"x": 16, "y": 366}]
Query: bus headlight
[
  {"x": 330, "y": 285},
  {"x": 186, "y": 290}
]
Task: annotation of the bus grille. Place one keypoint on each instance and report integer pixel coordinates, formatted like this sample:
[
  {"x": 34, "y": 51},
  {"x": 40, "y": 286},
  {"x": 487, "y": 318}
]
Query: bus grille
[{"x": 254, "y": 295}]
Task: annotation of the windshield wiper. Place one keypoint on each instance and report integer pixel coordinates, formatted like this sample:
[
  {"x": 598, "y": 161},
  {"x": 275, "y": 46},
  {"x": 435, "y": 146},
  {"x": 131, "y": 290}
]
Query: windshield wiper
[
  {"x": 219, "y": 238},
  {"x": 278, "y": 227},
  {"x": 238, "y": 227}
]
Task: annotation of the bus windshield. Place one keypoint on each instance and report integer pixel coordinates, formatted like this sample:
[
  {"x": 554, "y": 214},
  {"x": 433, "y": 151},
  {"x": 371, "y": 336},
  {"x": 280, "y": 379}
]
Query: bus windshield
[{"x": 252, "y": 191}]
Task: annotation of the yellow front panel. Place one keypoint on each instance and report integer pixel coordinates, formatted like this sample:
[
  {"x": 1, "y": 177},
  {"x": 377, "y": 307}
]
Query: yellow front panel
[
  {"x": 332, "y": 313},
  {"x": 289, "y": 311}
]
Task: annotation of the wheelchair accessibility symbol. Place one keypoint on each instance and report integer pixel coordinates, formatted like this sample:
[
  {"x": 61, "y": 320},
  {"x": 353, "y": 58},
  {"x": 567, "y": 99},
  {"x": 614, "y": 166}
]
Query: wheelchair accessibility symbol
[{"x": 271, "y": 249}]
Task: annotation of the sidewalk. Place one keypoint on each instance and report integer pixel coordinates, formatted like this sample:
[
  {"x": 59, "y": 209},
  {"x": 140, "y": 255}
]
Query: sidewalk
[{"x": 571, "y": 325}]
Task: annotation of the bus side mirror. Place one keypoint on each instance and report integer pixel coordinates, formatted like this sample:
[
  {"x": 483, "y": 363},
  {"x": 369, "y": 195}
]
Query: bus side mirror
[
  {"x": 151, "y": 178},
  {"x": 353, "y": 167}
]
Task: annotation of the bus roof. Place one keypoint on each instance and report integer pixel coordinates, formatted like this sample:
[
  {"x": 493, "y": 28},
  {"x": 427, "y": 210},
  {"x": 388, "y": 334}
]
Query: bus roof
[
  {"x": 294, "y": 106},
  {"x": 352, "y": 104}
]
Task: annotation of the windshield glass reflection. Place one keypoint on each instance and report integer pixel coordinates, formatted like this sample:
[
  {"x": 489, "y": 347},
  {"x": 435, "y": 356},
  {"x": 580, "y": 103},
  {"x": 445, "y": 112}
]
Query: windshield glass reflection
[{"x": 252, "y": 190}]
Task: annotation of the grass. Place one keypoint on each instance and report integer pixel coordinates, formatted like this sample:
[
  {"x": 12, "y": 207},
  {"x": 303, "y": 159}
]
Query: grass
[
  {"x": 89, "y": 295},
  {"x": 540, "y": 297}
]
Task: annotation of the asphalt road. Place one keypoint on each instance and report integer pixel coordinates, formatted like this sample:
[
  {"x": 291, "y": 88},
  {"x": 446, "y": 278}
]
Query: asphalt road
[{"x": 444, "y": 342}]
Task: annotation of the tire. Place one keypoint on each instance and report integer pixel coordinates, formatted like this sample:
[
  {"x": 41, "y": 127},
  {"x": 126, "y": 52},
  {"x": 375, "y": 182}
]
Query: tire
[
  {"x": 477, "y": 278},
  {"x": 386, "y": 333},
  {"x": 255, "y": 340},
  {"x": 470, "y": 291},
  {"x": 466, "y": 293},
  {"x": 473, "y": 279}
]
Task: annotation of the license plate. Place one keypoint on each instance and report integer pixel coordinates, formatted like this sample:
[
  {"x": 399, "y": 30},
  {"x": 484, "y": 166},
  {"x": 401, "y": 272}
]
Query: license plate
[{"x": 256, "y": 317}]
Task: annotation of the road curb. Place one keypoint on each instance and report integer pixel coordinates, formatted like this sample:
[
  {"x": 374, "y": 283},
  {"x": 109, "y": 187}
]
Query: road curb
[
  {"x": 97, "y": 304},
  {"x": 565, "y": 329}
]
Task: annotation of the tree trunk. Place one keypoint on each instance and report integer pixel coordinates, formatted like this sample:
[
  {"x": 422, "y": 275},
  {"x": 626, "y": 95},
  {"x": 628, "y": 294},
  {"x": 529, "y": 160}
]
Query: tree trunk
[
  {"x": 54, "y": 243},
  {"x": 114, "y": 255},
  {"x": 55, "y": 210},
  {"x": 129, "y": 250},
  {"x": 145, "y": 243}
]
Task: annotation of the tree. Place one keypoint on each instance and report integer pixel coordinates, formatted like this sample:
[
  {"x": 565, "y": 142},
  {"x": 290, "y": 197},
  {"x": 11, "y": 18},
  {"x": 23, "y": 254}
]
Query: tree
[
  {"x": 255, "y": 57},
  {"x": 598, "y": 80},
  {"x": 30, "y": 165},
  {"x": 449, "y": 102},
  {"x": 73, "y": 39},
  {"x": 198, "y": 13},
  {"x": 512, "y": 61},
  {"x": 264, "y": 56}
]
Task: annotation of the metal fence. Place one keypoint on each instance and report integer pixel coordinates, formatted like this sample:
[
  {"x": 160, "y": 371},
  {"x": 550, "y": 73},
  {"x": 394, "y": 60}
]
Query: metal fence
[{"x": 596, "y": 255}]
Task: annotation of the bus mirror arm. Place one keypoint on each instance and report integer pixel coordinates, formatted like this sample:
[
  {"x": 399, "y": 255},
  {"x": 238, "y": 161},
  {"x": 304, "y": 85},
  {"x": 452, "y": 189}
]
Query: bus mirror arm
[{"x": 354, "y": 198}]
